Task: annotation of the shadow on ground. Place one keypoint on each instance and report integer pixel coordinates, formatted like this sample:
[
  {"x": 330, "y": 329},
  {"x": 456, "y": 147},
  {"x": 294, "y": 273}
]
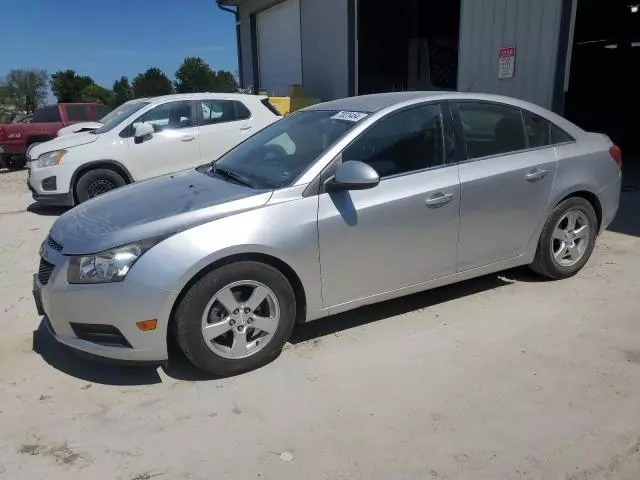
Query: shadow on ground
[
  {"x": 46, "y": 210},
  {"x": 65, "y": 360}
]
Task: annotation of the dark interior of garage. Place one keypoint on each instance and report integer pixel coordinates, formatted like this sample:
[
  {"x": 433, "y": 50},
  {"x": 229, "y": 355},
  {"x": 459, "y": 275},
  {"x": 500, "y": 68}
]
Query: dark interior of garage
[
  {"x": 604, "y": 86},
  {"x": 407, "y": 45}
]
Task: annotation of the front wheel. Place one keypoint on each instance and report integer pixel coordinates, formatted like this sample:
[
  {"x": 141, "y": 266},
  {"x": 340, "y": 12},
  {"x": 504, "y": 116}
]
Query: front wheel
[
  {"x": 15, "y": 162},
  {"x": 236, "y": 318},
  {"x": 567, "y": 239},
  {"x": 96, "y": 182}
]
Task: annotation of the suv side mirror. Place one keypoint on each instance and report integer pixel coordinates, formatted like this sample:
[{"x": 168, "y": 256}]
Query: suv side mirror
[
  {"x": 353, "y": 175},
  {"x": 141, "y": 131}
]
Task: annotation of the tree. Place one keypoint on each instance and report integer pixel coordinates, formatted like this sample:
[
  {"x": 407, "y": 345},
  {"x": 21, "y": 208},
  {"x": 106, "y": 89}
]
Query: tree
[
  {"x": 194, "y": 75},
  {"x": 96, "y": 93},
  {"x": 225, "y": 82},
  {"x": 28, "y": 88},
  {"x": 151, "y": 84},
  {"x": 122, "y": 92},
  {"x": 67, "y": 86}
]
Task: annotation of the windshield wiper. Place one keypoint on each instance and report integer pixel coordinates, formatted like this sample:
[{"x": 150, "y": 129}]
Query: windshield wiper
[{"x": 236, "y": 177}]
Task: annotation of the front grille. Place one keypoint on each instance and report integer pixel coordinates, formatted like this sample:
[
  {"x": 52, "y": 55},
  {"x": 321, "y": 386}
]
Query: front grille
[
  {"x": 107, "y": 335},
  {"x": 44, "y": 272},
  {"x": 53, "y": 244}
]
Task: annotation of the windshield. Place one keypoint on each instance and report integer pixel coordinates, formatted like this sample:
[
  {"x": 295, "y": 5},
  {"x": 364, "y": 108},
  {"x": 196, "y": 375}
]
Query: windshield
[
  {"x": 278, "y": 154},
  {"x": 118, "y": 111},
  {"x": 121, "y": 116}
]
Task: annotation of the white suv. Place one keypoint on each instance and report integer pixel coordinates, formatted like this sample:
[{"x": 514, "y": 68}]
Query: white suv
[{"x": 151, "y": 137}]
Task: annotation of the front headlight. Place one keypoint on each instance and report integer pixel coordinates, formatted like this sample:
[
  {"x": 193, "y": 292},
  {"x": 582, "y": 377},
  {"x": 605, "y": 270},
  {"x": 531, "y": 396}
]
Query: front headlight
[
  {"x": 50, "y": 158},
  {"x": 109, "y": 266}
]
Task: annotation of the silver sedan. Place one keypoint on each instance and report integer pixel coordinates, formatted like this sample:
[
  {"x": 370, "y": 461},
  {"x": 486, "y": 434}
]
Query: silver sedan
[{"x": 340, "y": 205}]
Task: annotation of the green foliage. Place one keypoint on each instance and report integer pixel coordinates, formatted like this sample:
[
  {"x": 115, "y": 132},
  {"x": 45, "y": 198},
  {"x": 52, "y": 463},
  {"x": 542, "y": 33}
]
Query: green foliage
[
  {"x": 122, "y": 92},
  {"x": 26, "y": 89},
  {"x": 225, "y": 82},
  {"x": 67, "y": 86},
  {"x": 96, "y": 93},
  {"x": 194, "y": 75},
  {"x": 151, "y": 83}
]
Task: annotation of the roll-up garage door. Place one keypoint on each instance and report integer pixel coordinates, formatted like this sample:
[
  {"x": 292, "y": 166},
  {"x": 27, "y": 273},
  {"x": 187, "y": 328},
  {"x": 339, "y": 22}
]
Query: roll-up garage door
[{"x": 279, "y": 55}]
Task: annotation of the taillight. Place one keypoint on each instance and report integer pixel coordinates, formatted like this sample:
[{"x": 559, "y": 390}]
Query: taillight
[{"x": 616, "y": 154}]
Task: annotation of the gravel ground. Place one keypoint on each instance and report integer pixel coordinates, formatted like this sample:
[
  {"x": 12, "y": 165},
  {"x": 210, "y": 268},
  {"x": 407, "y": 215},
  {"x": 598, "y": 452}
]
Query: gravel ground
[{"x": 502, "y": 377}]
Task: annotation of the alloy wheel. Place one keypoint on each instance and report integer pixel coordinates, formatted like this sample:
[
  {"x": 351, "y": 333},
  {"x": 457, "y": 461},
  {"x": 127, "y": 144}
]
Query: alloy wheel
[
  {"x": 571, "y": 237},
  {"x": 240, "y": 319}
]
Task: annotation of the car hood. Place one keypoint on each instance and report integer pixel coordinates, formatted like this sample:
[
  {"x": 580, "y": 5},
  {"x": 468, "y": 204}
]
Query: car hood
[
  {"x": 156, "y": 207},
  {"x": 79, "y": 127},
  {"x": 59, "y": 143}
]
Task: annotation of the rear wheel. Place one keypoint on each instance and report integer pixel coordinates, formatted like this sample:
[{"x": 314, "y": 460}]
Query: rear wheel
[
  {"x": 14, "y": 162},
  {"x": 236, "y": 318},
  {"x": 567, "y": 239},
  {"x": 96, "y": 182}
]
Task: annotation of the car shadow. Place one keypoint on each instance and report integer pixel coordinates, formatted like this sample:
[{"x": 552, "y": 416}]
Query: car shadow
[
  {"x": 62, "y": 358},
  {"x": 46, "y": 210},
  {"x": 178, "y": 367}
]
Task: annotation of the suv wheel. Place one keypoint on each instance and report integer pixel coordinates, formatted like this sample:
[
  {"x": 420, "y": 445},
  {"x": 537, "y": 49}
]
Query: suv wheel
[
  {"x": 236, "y": 318},
  {"x": 96, "y": 182},
  {"x": 567, "y": 239},
  {"x": 15, "y": 162}
]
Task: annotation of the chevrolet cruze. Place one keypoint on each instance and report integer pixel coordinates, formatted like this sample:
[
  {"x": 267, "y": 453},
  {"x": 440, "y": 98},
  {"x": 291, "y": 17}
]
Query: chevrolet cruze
[{"x": 339, "y": 205}]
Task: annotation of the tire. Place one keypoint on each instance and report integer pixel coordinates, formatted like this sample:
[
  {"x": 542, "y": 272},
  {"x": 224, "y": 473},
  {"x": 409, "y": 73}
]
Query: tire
[
  {"x": 197, "y": 310},
  {"x": 96, "y": 182},
  {"x": 571, "y": 257},
  {"x": 15, "y": 162}
]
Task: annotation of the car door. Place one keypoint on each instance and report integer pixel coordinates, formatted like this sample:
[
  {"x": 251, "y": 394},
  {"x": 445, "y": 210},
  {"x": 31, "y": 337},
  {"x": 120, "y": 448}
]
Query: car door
[
  {"x": 173, "y": 146},
  {"x": 506, "y": 181},
  {"x": 405, "y": 230},
  {"x": 223, "y": 124}
]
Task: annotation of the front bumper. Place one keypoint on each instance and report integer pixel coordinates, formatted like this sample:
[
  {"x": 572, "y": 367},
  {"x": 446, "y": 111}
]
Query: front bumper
[
  {"x": 120, "y": 305},
  {"x": 48, "y": 198}
]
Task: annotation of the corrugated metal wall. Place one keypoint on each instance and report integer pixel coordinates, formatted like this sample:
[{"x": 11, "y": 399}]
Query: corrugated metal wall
[
  {"x": 324, "y": 45},
  {"x": 532, "y": 26}
]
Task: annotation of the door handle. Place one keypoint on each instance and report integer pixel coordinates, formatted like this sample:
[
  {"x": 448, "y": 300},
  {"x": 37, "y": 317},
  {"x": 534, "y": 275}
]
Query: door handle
[
  {"x": 187, "y": 138},
  {"x": 245, "y": 127},
  {"x": 438, "y": 199},
  {"x": 536, "y": 174}
]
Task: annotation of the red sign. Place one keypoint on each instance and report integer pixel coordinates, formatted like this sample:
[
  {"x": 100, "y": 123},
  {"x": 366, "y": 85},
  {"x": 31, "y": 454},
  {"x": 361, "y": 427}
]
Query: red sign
[{"x": 506, "y": 52}]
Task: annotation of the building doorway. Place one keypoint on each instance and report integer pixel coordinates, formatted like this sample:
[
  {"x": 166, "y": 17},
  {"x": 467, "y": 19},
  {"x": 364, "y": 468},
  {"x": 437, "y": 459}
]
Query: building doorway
[{"x": 407, "y": 45}]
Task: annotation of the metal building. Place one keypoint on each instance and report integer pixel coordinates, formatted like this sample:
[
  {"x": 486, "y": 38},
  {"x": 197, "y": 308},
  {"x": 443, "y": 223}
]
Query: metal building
[{"x": 520, "y": 48}]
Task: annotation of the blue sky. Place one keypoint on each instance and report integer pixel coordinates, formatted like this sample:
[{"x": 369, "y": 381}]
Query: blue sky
[{"x": 110, "y": 38}]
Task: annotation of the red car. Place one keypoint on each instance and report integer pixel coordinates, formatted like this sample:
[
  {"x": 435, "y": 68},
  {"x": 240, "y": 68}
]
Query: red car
[{"x": 17, "y": 138}]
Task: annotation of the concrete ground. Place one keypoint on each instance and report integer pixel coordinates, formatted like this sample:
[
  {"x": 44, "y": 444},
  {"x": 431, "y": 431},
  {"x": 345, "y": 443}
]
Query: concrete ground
[{"x": 502, "y": 377}]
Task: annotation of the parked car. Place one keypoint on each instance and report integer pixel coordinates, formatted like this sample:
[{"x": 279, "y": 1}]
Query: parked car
[
  {"x": 90, "y": 126},
  {"x": 17, "y": 139},
  {"x": 339, "y": 205},
  {"x": 148, "y": 138}
]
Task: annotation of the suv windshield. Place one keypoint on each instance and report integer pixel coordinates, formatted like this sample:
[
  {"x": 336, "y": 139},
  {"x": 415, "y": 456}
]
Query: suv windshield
[
  {"x": 120, "y": 117},
  {"x": 118, "y": 111},
  {"x": 278, "y": 154}
]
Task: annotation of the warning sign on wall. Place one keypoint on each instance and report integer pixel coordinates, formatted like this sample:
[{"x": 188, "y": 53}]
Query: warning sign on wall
[{"x": 507, "y": 62}]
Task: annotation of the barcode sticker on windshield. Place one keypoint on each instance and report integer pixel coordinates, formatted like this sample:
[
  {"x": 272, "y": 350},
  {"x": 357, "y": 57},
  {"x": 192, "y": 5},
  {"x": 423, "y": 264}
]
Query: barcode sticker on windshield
[{"x": 349, "y": 116}]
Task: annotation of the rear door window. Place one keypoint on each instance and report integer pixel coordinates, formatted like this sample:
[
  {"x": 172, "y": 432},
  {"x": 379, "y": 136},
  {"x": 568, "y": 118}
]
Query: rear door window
[
  {"x": 77, "y": 113},
  {"x": 491, "y": 129},
  {"x": 222, "y": 111},
  {"x": 47, "y": 115}
]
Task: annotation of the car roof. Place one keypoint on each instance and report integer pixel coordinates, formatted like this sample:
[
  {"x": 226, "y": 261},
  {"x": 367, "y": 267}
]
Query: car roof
[
  {"x": 378, "y": 101},
  {"x": 204, "y": 96}
]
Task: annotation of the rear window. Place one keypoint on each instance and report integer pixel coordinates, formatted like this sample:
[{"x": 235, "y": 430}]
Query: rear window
[
  {"x": 270, "y": 107},
  {"x": 47, "y": 115},
  {"x": 77, "y": 113},
  {"x": 99, "y": 111}
]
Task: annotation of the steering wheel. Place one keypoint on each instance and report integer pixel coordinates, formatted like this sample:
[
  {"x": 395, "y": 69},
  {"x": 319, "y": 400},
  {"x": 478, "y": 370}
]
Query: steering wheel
[{"x": 274, "y": 150}]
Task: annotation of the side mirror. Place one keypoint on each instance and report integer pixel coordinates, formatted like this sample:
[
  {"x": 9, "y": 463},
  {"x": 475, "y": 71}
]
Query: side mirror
[
  {"x": 141, "y": 131},
  {"x": 353, "y": 175}
]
